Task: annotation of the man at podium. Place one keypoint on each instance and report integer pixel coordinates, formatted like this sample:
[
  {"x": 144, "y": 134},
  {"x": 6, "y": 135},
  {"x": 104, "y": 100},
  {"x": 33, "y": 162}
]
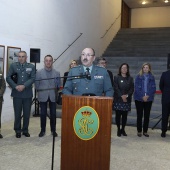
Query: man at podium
[{"x": 88, "y": 79}]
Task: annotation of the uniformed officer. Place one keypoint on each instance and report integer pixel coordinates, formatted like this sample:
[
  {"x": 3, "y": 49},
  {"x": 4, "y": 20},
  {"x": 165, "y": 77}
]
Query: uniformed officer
[
  {"x": 21, "y": 92},
  {"x": 96, "y": 82},
  {"x": 2, "y": 90}
]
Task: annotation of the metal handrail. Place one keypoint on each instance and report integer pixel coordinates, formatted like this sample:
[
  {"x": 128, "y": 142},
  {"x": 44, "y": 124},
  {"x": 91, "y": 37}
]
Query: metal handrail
[
  {"x": 68, "y": 47},
  {"x": 110, "y": 27}
]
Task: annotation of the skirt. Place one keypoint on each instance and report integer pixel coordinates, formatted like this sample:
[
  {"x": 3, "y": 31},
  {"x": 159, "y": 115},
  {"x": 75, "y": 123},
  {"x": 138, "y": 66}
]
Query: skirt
[{"x": 122, "y": 106}]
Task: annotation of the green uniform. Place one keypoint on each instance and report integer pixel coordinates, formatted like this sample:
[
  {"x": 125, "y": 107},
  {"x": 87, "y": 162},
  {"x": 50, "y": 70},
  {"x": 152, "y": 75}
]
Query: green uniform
[{"x": 21, "y": 100}]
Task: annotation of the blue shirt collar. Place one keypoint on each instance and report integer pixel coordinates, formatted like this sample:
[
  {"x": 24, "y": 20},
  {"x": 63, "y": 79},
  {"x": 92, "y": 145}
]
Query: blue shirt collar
[{"x": 88, "y": 67}]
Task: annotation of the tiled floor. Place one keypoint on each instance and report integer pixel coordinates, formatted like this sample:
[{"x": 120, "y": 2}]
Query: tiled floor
[{"x": 127, "y": 153}]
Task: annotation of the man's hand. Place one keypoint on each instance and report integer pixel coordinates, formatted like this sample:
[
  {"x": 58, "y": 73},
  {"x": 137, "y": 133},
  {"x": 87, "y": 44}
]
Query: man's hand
[{"x": 20, "y": 88}]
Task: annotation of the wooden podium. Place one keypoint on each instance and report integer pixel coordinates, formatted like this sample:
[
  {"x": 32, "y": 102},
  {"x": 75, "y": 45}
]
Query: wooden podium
[{"x": 85, "y": 154}]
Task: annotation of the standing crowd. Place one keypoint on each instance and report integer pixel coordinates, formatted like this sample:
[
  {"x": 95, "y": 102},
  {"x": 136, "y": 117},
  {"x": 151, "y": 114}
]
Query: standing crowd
[{"x": 94, "y": 80}]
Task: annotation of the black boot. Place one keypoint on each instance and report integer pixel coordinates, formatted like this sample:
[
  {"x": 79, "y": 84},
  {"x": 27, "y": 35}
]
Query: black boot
[
  {"x": 1, "y": 136},
  {"x": 123, "y": 132},
  {"x": 118, "y": 132}
]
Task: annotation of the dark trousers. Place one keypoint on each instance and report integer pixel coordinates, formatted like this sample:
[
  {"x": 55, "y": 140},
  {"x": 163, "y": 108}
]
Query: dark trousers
[
  {"x": 165, "y": 116},
  {"x": 43, "y": 115},
  {"x": 121, "y": 115},
  {"x": 19, "y": 105},
  {"x": 0, "y": 113},
  {"x": 143, "y": 108}
]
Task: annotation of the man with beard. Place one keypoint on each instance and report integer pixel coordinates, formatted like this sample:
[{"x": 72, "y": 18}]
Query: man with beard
[{"x": 94, "y": 80}]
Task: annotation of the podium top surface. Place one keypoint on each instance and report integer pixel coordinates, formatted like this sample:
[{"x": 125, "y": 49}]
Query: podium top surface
[{"x": 93, "y": 97}]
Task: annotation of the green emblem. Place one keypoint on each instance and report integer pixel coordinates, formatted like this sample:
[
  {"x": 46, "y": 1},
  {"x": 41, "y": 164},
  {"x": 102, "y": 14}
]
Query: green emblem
[{"x": 86, "y": 123}]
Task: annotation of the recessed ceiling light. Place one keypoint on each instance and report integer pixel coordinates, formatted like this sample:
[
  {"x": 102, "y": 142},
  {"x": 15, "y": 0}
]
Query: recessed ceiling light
[
  {"x": 166, "y": 1},
  {"x": 143, "y": 2}
]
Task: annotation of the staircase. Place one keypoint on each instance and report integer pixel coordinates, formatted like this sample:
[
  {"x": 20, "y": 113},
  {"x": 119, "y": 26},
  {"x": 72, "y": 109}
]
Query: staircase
[
  {"x": 135, "y": 47},
  {"x": 140, "y": 42}
]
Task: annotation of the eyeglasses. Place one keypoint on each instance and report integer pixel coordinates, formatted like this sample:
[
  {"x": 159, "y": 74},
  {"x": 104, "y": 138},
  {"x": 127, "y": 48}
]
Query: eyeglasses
[
  {"x": 102, "y": 62},
  {"x": 21, "y": 56},
  {"x": 87, "y": 55}
]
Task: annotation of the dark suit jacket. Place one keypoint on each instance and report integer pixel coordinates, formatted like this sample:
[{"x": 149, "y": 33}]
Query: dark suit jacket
[
  {"x": 111, "y": 76},
  {"x": 164, "y": 86},
  {"x": 65, "y": 78}
]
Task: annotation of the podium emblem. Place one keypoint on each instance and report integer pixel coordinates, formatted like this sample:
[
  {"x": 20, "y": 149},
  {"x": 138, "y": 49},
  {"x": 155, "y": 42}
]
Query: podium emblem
[{"x": 86, "y": 123}]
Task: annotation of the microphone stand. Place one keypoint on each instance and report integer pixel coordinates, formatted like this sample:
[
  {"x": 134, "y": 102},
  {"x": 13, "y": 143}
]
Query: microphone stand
[{"x": 88, "y": 76}]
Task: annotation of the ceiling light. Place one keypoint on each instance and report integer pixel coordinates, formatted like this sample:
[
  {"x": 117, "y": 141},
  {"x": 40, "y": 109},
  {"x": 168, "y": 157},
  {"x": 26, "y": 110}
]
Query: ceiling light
[
  {"x": 143, "y": 2},
  {"x": 166, "y": 1}
]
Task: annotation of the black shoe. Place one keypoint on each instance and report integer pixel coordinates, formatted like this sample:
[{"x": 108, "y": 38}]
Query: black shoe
[
  {"x": 26, "y": 134},
  {"x": 163, "y": 134},
  {"x": 145, "y": 134},
  {"x": 18, "y": 135},
  {"x": 41, "y": 134},
  {"x": 118, "y": 133},
  {"x": 1, "y": 136},
  {"x": 139, "y": 134},
  {"x": 123, "y": 132},
  {"x": 54, "y": 133}
]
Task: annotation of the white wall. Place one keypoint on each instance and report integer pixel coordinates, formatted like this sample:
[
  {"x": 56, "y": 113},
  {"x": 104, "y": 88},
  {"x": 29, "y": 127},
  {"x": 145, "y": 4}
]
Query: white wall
[
  {"x": 52, "y": 25},
  {"x": 150, "y": 17}
]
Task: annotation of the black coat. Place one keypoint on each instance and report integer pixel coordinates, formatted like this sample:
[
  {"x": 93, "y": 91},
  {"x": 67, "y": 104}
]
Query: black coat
[
  {"x": 111, "y": 76},
  {"x": 165, "y": 86},
  {"x": 65, "y": 78},
  {"x": 123, "y": 86}
]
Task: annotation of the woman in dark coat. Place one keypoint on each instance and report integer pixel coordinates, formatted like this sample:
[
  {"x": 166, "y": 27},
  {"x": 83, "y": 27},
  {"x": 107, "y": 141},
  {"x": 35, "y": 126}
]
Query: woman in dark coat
[{"x": 123, "y": 90}]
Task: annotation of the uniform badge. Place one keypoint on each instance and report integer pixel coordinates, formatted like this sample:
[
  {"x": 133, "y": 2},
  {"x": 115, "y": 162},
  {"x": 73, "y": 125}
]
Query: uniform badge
[
  {"x": 98, "y": 77},
  {"x": 28, "y": 69}
]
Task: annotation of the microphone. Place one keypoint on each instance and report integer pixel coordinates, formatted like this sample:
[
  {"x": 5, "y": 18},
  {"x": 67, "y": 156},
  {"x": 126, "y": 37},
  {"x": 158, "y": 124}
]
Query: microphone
[{"x": 80, "y": 76}]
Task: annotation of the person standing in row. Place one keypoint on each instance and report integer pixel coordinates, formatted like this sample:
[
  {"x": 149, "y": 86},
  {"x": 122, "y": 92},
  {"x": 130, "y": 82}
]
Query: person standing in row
[
  {"x": 123, "y": 90},
  {"x": 145, "y": 88},
  {"x": 103, "y": 63},
  {"x": 21, "y": 92},
  {"x": 2, "y": 90},
  {"x": 47, "y": 91},
  {"x": 97, "y": 81},
  {"x": 164, "y": 85},
  {"x": 71, "y": 65}
]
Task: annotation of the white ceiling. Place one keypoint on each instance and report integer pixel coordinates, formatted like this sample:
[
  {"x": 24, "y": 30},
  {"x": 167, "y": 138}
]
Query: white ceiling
[{"x": 149, "y": 3}]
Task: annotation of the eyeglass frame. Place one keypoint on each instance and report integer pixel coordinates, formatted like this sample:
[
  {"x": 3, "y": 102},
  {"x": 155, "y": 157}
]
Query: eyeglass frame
[{"x": 87, "y": 55}]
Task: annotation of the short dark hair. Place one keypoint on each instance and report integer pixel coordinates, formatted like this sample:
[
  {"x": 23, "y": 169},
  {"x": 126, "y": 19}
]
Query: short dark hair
[
  {"x": 101, "y": 58},
  {"x": 48, "y": 56},
  {"x": 23, "y": 52}
]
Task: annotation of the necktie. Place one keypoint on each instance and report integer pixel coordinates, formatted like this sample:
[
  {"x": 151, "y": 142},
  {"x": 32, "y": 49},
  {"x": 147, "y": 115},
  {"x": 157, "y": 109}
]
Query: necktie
[{"x": 88, "y": 73}]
